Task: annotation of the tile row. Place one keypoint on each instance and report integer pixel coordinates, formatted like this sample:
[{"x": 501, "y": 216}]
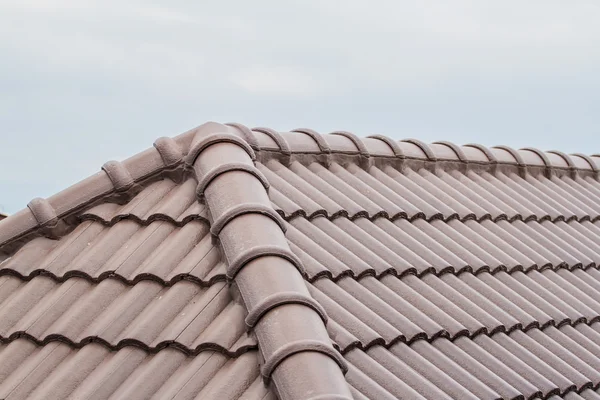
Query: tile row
[
  {"x": 352, "y": 191},
  {"x": 132, "y": 242},
  {"x": 162, "y": 200},
  {"x": 127, "y": 251},
  {"x": 167, "y": 253},
  {"x": 58, "y": 371},
  {"x": 555, "y": 362},
  {"x": 184, "y": 256},
  {"x": 185, "y": 316},
  {"x": 362, "y": 314},
  {"x": 388, "y": 310},
  {"x": 359, "y": 247},
  {"x": 548, "y": 361}
]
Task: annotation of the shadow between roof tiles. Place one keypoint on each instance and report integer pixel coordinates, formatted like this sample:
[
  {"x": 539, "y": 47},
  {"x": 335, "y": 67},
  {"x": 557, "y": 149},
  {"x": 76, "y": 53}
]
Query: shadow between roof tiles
[
  {"x": 436, "y": 217},
  {"x": 111, "y": 220},
  {"x": 188, "y": 351},
  {"x": 437, "y": 343},
  {"x": 239, "y": 349},
  {"x": 145, "y": 221},
  {"x": 466, "y": 334},
  {"x": 21, "y": 266},
  {"x": 584, "y": 390},
  {"x": 115, "y": 276},
  {"x": 439, "y": 272},
  {"x": 310, "y": 278}
]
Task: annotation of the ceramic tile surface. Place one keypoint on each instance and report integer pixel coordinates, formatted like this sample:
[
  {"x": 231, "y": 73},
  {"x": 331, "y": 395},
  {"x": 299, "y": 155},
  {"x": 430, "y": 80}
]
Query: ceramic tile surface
[{"x": 440, "y": 278}]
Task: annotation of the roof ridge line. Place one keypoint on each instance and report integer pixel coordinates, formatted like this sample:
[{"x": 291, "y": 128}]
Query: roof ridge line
[
  {"x": 252, "y": 240},
  {"x": 307, "y": 141},
  {"x": 125, "y": 343},
  {"x": 121, "y": 180}
]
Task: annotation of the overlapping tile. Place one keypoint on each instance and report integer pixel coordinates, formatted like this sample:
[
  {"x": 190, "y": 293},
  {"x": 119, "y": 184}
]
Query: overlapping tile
[
  {"x": 388, "y": 310},
  {"x": 440, "y": 279},
  {"x": 378, "y": 247},
  {"x": 127, "y": 251},
  {"x": 161, "y": 234},
  {"x": 145, "y": 273},
  {"x": 386, "y": 191},
  {"x": 536, "y": 364},
  {"x": 163, "y": 200},
  {"x": 148, "y": 315},
  {"x": 58, "y": 371},
  {"x": 418, "y": 260}
]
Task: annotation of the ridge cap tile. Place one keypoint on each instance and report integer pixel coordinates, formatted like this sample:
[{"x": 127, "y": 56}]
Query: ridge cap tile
[
  {"x": 249, "y": 241},
  {"x": 167, "y": 154}
]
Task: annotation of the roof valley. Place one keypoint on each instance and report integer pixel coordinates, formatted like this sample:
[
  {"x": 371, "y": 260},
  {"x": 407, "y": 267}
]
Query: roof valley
[{"x": 289, "y": 324}]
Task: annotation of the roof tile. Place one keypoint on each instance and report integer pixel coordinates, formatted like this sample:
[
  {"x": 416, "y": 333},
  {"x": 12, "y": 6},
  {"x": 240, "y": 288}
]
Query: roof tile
[
  {"x": 57, "y": 371},
  {"x": 437, "y": 271}
]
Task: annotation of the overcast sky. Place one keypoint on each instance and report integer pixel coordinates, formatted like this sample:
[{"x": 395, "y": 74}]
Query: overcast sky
[{"x": 83, "y": 82}]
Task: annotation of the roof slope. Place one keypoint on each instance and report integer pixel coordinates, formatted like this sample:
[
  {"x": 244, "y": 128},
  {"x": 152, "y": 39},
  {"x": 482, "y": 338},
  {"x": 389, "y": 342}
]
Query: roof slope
[{"x": 237, "y": 263}]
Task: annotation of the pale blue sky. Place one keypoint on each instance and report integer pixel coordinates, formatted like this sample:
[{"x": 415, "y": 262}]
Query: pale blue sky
[{"x": 83, "y": 82}]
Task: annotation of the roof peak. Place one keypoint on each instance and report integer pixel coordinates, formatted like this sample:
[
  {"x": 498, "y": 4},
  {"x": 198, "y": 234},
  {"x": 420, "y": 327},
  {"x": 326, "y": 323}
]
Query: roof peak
[
  {"x": 303, "y": 141},
  {"x": 169, "y": 157}
]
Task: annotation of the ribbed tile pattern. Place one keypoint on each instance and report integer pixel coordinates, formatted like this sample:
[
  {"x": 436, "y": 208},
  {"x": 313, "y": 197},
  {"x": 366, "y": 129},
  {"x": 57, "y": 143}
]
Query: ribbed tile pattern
[
  {"x": 385, "y": 191},
  {"x": 160, "y": 234},
  {"x": 149, "y": 315},
  {"x": 126, "y": 251},
  {"x": 132, "y": 303},
  {"x": 163, "y": 200},
  {"x": 453, "y": 281},
  {"x": 58, "y": 371},
  {"x": 390, "y": 309},
  {"x": 454, "y": 284},
  {"x": 404, "y": 291},
  {"x": 382, "y": 246},
  {"x": 539, "y": 363}
]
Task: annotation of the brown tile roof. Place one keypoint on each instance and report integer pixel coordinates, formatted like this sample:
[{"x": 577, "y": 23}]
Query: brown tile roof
[
  {"x": 57, "y": 370},
  {"x": 232, "y": 263}
]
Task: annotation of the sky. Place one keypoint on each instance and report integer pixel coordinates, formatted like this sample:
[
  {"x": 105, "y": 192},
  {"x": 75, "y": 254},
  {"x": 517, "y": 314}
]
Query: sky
[{"x": 83, "y": 82}]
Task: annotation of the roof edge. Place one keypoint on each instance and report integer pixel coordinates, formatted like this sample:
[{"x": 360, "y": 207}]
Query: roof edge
[
  {"x": 120, "y": 180},
  {"x": 305, "y": 141},
  {"x": 166, "y": 158}
]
